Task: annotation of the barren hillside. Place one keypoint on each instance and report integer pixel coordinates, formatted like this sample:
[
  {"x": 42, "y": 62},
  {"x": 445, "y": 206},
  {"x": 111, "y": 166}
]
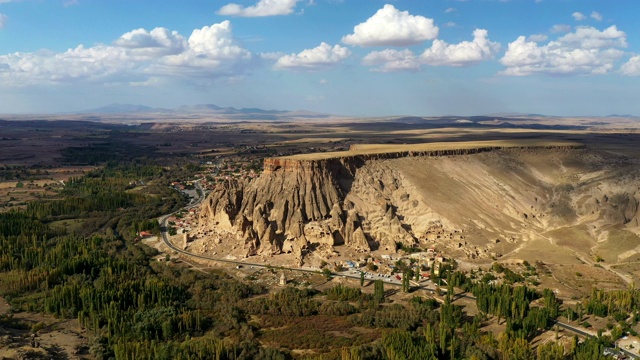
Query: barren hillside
[{"x": 539, "y": 201}]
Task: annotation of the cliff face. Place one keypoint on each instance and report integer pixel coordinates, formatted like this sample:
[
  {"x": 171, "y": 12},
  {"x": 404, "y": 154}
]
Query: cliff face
[
  {"x": 468, "y": 200},
  {"x": 270, "y": 212}
]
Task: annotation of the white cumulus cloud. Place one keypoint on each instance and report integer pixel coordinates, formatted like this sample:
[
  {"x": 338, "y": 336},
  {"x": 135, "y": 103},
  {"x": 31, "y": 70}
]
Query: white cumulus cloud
[
  {"x": 159, "y": 41},
  {"x": 631, "y": 67},
  {"x": 578, "y": 16},
  {"x": 538, "y": 37},
  {"x": 463, "y": 54},
  {"x": 210, "y": 48},
  {"x": 592, "y": 38},
  {"x": 323, "y": 56},
  {"x": 392, "y": 27},
  {"x": 389, "y": 60},
  {"x": 585, "y": 51},
  {"x": 96, "y": 63},
  {"x": 136, "y": 57},
  {"x": 560, "y": 28},
  {"x": 596, "y": 16},
  {"x": 216, "y": 41},
  {"x": 262, "y": 8},
  {"x": 440, "y": 53}
]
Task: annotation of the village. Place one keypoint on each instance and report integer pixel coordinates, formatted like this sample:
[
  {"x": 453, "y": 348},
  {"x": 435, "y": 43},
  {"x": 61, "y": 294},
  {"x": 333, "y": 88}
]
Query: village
[{"x": 422, "y": 265}]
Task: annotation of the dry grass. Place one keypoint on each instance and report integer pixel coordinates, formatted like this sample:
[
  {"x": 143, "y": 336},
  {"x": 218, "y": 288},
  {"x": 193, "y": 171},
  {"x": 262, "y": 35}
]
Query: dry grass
[
  {"x": 576, "y": 238},
  {"x": 633, "y": 268},
  {"x": 63, "y": 336},
  {"x": 321, "y": 333},
  {"x": 618, "y": 244},
  {"x": 532, "y": 251},
  {"x": 13, "y": 196},
  {"x": 318, "y": 140},
  {"x": 582, "y": 278}
]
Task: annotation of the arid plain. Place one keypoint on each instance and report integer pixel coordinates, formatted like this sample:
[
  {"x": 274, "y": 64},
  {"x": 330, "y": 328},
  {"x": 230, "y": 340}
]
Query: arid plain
[
  {"x": 554, "y": 200},
  {"x": 574, "y": 210}
]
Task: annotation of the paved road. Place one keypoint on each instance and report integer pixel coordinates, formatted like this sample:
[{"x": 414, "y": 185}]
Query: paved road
[
  {"x": 573, "y": 329},
  {"x": 586, "y": 334}
]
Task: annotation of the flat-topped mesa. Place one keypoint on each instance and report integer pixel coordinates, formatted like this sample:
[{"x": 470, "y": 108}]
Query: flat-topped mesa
[
  {"x": 337, "y": 166},
  {"x": 290, "y": 165},
  {"x": 309, "y": 198},
  {"x": 358, "y": 154}
]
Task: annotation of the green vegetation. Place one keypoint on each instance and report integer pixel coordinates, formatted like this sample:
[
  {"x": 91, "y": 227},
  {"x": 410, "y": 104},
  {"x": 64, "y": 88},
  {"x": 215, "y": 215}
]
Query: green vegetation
[
  {"x": 33, "y": 172},
  {"x": 345, "y": 293},
  {"x": 102, "y": 199},
  {"x": 111, "y": 150},
  {"x": 112, "y": 289},
  {"x": 406, "y": 282},
  {"x": 378, "y": 292},
  {"x": 136, "y": 308},
  {"x": 407, "y": 249}
]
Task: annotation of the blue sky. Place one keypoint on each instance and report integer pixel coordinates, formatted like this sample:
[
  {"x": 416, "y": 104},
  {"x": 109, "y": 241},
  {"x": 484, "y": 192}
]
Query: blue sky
[{"x": 350, "y": 57}]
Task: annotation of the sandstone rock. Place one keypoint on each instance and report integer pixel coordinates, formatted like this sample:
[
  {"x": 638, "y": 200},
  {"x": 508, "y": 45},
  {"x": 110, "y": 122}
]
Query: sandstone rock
[
  {"x": 222, "y": 206},
  {"x": 296, "y": 227},
  {"x": 268, "y": 242},
  {"x": 350, "y": 226},
  {"x": 336, "y": 222},
  {"x": 359, "y": 240},
  {"x": 380, "y": 199},
  {"x": 244, "y": 225},
  {"x": 260, "y": 221}
]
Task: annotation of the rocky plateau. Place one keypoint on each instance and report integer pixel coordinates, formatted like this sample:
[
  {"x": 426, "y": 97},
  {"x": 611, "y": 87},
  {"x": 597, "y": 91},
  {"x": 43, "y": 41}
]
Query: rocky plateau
[{"x": 479, "y": 203}]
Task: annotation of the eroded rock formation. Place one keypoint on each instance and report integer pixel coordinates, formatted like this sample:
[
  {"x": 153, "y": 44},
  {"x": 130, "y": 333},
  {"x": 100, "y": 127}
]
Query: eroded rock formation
[
  {"x": 272, "y": 213},
  {"x": 482, "y": 201}
]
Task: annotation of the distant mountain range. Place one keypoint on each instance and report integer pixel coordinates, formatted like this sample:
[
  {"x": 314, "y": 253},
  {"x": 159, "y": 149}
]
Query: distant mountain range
[
  {"x": 518, "y": 115},
  {"x": 621, "y": 116},
  {"x": 227, "y": 110},
  {"x": 262, "y": 114},
  {"x": 515, "y": 114},
  {"x": 243, "y": 113}
]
